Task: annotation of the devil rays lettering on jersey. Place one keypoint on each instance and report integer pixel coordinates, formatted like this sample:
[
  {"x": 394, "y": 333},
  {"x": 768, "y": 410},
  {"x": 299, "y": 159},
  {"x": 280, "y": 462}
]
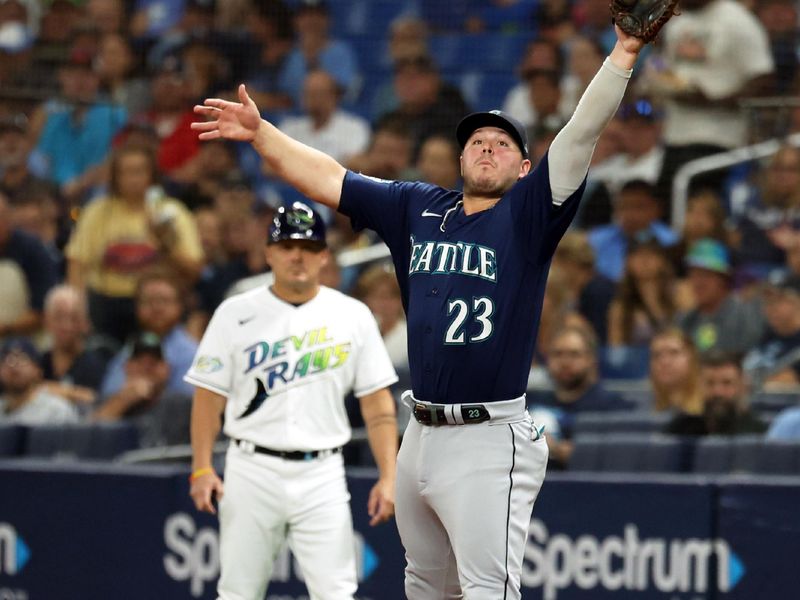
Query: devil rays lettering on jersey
[
  {"x": 285, "y": 369},
  {"x": 472, "y": 285}
]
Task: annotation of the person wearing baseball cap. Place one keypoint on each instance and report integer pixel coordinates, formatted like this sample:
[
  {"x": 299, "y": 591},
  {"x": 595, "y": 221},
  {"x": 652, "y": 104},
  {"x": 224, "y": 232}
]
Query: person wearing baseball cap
[
  {"x": 776, "y": 359},
  {"x": 24, "y": 401},
  {"x": 277, "y": 360},
  {"x": 493, "y": 118},
  {"x": 721, "y": 320},
  {"x": 472, "y": 266}
]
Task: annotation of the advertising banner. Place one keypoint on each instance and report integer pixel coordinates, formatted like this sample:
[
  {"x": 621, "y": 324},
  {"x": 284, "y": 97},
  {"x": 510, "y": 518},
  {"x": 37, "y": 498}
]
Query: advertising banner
[{"x": 89, "y": 532}]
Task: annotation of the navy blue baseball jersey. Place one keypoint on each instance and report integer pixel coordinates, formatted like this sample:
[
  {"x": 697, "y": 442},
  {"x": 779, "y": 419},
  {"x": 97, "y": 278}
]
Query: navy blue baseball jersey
[{"x": 472, "y": 285}]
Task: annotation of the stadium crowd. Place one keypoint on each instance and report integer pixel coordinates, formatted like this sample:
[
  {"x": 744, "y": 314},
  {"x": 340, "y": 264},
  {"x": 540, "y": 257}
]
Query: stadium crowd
[{"x": 120, "y": 232}]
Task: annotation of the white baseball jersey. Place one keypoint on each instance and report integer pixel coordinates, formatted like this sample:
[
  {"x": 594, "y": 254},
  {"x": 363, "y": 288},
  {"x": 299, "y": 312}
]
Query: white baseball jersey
[{"x": 286, "y": 369}]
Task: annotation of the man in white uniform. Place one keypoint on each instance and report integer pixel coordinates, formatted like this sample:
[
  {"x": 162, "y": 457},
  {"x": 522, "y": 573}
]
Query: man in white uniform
[{"x": 279, "y": 360}]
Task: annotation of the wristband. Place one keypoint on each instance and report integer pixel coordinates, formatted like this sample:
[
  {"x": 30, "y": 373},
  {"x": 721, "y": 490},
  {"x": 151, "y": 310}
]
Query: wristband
[{"x": 200, "y": 473}]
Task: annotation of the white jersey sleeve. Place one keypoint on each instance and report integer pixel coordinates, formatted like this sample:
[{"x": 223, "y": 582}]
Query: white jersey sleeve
[
  {"x": 374, "y": 369},
  {"x": 212, "y": 367}
]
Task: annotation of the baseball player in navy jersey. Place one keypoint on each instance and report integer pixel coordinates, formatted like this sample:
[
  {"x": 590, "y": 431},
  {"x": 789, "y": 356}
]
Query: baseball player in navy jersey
[
  {"x": 472, "y": 268},
  {"x": 278, "y": 361}
]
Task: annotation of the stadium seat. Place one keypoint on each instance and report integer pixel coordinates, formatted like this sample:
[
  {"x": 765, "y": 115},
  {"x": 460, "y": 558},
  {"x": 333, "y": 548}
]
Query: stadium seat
[
  {"x": 746, "y": 454},
  {"x": 365, "y": 17},
  {"x": 485, "y": 90},
  {"x": 87, "y": 440},
  {"x": 713, "y": 455},
  {"x": 629, "y": 453},
  {"x": 779, "y": 458},
  {"x": 489, "y": 52},
  {"x": 11, "y": 439},
  {"x": 620, "y": 422}
]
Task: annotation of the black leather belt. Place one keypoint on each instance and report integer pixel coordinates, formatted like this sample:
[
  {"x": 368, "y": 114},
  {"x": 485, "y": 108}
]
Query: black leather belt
[
  {"x": 250, "y": 447},
  {"x": 437, "y": 414}
]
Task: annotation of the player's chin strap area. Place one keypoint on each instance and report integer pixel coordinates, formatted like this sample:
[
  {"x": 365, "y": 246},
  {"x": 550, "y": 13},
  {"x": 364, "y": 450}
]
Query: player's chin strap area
[{"x": 428, "y": 413}]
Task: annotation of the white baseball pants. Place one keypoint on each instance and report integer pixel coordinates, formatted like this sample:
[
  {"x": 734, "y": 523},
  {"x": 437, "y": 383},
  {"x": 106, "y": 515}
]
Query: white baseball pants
[
  {"x": 269, "y": 500},
  {"x": 465, "y": 495}
]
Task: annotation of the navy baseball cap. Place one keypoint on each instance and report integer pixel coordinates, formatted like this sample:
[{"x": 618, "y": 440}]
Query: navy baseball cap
[
  {"x": 493, "y": 118},
  {"x": 297, "y": 222}
]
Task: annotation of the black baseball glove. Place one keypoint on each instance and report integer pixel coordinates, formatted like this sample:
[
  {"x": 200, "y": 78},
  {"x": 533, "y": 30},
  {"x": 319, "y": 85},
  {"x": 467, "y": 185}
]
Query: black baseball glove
[{"x": 642, "y": 18}]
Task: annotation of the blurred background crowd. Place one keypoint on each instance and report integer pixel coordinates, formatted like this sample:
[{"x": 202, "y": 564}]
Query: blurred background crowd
[{"x": 673, "y": 304}]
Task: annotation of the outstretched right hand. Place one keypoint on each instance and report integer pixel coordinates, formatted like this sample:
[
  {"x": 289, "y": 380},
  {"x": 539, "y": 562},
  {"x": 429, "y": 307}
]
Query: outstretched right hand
[
  {"x": 237, "y": 121},
  {"x": 205, "y": 490}
]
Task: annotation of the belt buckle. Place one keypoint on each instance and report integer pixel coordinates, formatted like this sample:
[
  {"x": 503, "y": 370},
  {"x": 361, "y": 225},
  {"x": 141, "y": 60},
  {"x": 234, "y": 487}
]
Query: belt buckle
[{"x": 247, "y": 447}]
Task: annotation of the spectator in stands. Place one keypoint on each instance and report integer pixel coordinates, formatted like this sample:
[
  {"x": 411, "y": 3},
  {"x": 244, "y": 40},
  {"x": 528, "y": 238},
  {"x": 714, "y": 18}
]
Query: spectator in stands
[
  {"x": 27, "y": 272},
  {"x": 585, "y": 56},
  {"x": 120, "y": 236},
  {"x": 785, "y": 426},
  {"x": 572, "y": 363},
  {"x": 726, "y": 408},
  {"x": 144, "y": 397},
  {"x": 270, "y": 26},
  {"x": 721, "y": 320},
  {"x": 324, "y": 125},
  {"x": 170, "y": 115},
  {"x": 77, "y": 130},
  {"x": 315, "y": 48},
  {"x": 592, "y": 21},
  {"x": 767, "y": 220},
  {"x": 160, "y": 304},
  {"x": 107, "y": 15},
  {"x": 116, "y": 66},
  {"x": 540, "y": 55},
  {"x": 426, "y": 102},
  {"x": 377, "y": 288},
  {"x": 408, "y": 36},
  {"x": 389, "y": 155},
  {"x": 17, "y": 182},
  {"x": 636, "y": 217},
  {"x": 675, "y": 373},
  {"x": 648, "y": 297},
  {"x": 558, "y": 312},
  {"x": 776, "y": 359},
  {"x": 705, "y": 218},
  {"x": 641, "y": 153},
  {"x": 590, "y": 292},
  {"x": 779, "y": 18},
  {"x": 438, "y": 162},
  {"x": 24, "y": 400},
  {"x": 243, "y": 236},
  {"x": 206, "y": 178},
  {"x": 705, "y": 72},
  {"x": 71, "y": 368}
]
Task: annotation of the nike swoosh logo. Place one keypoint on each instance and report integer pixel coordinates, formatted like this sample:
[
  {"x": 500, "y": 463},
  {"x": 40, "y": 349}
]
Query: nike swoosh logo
[
  {"x": 247, "y": 320},
  {"x": 258, "y": 399},
  {"x": 425, "y": 213}
]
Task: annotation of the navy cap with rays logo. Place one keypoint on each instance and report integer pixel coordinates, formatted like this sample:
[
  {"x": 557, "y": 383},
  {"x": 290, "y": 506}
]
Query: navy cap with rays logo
[{"x": 297, "y": 222}]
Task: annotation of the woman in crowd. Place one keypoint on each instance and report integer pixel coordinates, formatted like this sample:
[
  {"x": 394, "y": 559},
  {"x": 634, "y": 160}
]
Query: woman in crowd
[
  {"x": 647, "y": 299},
  {"x": 675, "y": 372},
  {"x": 118, "y": 237}
]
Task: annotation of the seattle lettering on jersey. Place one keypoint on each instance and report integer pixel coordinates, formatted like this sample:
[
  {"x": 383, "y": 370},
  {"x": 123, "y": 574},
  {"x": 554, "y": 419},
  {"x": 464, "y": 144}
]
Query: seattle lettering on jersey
[
  {"x": 272, "y": 360},
  {"x": 440, "y": 258}
]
